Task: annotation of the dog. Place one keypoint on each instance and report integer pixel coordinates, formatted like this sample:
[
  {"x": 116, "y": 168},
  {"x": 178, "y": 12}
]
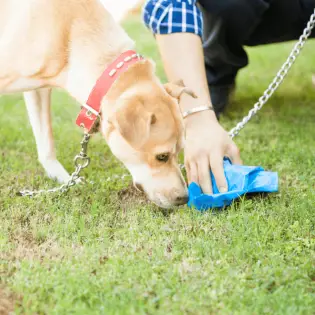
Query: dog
[
  {"x": 121, "y": 9},
  {"x": 68, "y": 45}
]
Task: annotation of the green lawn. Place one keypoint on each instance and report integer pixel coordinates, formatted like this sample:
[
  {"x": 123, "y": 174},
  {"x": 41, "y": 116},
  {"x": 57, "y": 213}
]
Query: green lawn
[{"x": 102, "y": 250}]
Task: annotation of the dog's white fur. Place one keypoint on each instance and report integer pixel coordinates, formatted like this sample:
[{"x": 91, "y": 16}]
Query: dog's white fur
[
  {"x": 68, "y": 44},
  {"x": 119, "y": 9}
]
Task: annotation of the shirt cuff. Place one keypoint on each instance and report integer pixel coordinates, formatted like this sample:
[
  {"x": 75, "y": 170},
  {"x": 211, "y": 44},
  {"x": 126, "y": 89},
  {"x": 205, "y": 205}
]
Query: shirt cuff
[{"x": 173, "y": 16}]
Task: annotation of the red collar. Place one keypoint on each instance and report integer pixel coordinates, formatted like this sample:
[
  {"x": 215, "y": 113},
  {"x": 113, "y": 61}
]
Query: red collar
[{"x": 91, "y": 110}]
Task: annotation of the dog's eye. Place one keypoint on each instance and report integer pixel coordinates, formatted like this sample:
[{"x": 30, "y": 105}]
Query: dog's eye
[{"x": 163, "y": 157}]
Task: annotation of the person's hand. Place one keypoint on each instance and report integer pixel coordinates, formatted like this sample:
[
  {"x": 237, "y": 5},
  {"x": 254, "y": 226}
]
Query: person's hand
[
  {"x": 206, "y": 144},
  {"x": 206, "y": 141}
]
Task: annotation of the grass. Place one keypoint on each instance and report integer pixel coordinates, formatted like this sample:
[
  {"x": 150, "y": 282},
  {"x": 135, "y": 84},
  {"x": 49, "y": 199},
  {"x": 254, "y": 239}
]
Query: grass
[{"x": 97, "y": 250}]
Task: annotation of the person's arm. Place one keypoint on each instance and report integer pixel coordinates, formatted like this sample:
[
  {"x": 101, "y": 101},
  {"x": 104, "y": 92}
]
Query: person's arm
[{"x": 206, "y": 141}]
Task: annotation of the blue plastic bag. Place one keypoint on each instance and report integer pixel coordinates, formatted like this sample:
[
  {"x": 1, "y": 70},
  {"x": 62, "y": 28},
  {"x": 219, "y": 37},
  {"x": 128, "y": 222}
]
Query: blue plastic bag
[{"x": 241, "y": 180}]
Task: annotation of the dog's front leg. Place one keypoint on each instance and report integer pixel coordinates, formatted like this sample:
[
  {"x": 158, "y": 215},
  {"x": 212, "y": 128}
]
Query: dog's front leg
[{"x": 38, "y": 107}]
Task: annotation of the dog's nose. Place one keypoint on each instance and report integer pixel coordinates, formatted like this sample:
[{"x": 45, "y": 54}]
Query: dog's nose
[{"x": 181, "y": 200}]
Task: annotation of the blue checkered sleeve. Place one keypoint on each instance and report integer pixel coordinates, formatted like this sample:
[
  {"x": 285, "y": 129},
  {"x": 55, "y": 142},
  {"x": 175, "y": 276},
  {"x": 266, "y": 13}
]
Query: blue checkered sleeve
[{"x": 173, "y": 16}]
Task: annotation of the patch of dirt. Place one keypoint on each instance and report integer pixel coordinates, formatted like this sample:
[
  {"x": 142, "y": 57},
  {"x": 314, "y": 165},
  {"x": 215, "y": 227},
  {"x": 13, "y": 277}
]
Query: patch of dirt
[
  {"x": 8, "y": 301},
  {"x": 131, "y": 194},
  {"x": 25, "y": 247},
  {"x": 129, "y": 197}
]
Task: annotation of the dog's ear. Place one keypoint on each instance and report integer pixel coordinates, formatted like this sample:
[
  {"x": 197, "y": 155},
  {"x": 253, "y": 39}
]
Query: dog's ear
[
  {"x": 133, "y": 122},
  {"x": 177, "y": 88}
]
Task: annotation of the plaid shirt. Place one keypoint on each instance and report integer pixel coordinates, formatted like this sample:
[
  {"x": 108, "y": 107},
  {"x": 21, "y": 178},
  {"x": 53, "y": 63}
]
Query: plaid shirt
[{"x": 173, "y": 16}]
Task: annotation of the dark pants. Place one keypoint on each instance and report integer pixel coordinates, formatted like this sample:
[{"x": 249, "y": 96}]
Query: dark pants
[{"x": 231, "y": 24}]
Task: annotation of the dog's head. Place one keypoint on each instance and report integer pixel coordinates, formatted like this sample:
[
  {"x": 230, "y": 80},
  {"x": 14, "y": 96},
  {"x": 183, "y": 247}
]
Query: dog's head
[{"x": 144, "y": 129}]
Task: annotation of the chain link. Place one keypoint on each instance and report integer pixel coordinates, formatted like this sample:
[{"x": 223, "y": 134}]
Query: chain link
[
  {"x": 278, "y": 79},
  {"x": 82, "y": 161}
]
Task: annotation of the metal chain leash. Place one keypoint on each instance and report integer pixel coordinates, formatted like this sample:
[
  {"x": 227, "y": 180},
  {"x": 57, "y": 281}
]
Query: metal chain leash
[
  {"x": 278, "y": 79},
  {"x": 82, "y": 161}
]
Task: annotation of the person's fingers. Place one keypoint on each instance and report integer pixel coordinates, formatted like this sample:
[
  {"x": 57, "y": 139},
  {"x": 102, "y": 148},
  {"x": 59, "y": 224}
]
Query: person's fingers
[
  {"x": 187, "y": 169},
  {"x": 216, "y": 163},
  {"x": 234, "y": 154},
  {"x": 204, "y": 176},
  {"x": 193, "y": 173}
]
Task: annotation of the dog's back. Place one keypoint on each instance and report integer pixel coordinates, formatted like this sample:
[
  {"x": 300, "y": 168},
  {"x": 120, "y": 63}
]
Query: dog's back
[
  {"x": 37, "y": 37},
  {"x": 30, "y": 34}
]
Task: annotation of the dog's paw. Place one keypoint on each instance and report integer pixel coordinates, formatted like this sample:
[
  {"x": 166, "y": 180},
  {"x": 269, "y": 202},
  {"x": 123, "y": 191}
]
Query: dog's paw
[{"x": 55, "y": 171}]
